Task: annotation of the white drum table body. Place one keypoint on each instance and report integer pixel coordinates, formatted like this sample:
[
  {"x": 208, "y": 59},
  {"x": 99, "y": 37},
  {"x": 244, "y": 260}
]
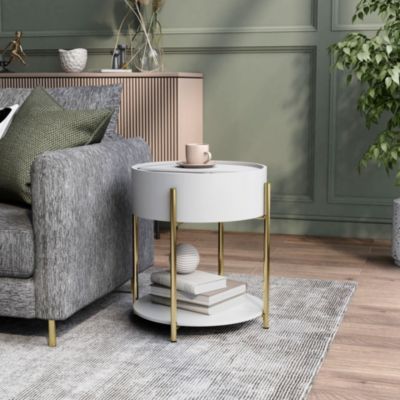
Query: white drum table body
[{"x": 229, "y": 191}]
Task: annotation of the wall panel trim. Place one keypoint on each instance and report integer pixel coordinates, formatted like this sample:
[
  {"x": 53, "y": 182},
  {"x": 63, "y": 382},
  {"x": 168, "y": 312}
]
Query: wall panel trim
[
  {"x": 168, "y": 31},
  {"x": 176, "y": 31},
  {"x": 333, "y": 198},
  {"x": 311, "y": 50},
  {"x": 338, "y": 27},
  {"x": 332, "y": 218}
]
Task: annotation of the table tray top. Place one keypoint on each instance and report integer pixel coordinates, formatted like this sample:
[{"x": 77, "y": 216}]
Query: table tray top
[{"x": 220, "y": 167}]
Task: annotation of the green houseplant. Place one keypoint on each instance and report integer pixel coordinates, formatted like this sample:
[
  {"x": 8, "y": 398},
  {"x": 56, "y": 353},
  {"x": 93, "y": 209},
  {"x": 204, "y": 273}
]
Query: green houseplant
[{"x": 375, "y": 62}]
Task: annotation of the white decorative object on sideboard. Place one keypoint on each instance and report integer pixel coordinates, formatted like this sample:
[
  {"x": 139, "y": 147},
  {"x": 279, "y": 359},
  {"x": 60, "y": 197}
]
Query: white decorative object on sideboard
[
  {"x": 165, "y": 109},
  {"x": 73, "y": 60}
]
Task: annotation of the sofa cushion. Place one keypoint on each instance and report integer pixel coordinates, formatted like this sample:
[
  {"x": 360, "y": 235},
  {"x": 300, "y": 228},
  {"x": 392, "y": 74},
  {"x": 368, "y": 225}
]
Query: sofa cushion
[
  {"x": 91, "y": 98},
  {"x": 75, "y": 98},
  {"x": 16, "y": 242},
  {"x": 43, "y": 125}
]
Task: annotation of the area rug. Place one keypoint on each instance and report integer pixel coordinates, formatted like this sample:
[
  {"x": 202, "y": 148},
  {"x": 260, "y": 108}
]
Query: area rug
[{"x": 105, "y": 352}]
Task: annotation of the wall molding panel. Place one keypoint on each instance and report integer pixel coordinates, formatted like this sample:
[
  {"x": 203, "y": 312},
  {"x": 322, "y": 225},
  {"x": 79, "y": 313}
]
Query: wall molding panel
[
  {"x": 310, "y": 139},
  {"x": 312, "y": 27},
  {"x": 333, "y": 197},
  {"x": 309, "y": 50},
  {"x": 337, "y": 26}
]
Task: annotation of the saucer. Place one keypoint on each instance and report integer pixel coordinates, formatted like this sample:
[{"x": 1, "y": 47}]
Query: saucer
[{"x": 183, "y": 164}]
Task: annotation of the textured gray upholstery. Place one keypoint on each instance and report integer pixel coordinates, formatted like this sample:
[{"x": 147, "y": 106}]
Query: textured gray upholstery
[
  {"x": 82, "y": 217},
  {"x": 82, "y": 230},
  {"x": 16, "y": 242},
  {"x": 81, "y": 248},
  {"x": 17, "y": 298},
  {"x": 13, "y": 96},
  {"x": 75, "y": 98}
]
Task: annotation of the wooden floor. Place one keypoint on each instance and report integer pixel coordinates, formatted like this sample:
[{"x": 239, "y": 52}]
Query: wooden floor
[{"x": 364, "y": 360}]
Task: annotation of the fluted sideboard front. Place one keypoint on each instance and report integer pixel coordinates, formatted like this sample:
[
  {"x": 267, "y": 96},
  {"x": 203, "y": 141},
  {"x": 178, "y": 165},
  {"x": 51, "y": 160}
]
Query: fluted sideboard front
[{"x": 165, "y": 109}]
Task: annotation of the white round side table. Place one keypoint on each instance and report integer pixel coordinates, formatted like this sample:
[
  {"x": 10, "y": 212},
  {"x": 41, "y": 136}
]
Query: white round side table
[{"x": 230, "y": 191}]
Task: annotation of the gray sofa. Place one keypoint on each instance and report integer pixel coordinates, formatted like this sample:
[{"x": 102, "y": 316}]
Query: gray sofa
[{"x": 74, "y": 244}]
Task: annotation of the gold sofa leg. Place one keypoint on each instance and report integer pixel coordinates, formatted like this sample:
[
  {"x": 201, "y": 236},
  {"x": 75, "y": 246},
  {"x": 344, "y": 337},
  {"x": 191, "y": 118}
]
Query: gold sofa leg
[{"x": 52, "y": 333}]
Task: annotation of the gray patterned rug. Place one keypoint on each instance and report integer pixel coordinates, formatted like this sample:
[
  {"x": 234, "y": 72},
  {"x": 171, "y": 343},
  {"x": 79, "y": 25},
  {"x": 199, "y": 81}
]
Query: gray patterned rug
[{"x": 105, "y": 352}]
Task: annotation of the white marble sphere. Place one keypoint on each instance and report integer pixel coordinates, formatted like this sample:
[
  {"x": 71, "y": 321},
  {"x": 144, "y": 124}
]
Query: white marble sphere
[
  {"x": 73, "y": 60},
  {"x": 187, "y": 258}
]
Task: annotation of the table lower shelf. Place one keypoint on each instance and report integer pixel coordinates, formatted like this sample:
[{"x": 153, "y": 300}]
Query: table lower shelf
[{"x": 251, "y": 308}]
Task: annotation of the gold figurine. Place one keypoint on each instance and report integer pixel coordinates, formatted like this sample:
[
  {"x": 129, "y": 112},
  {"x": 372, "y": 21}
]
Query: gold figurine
[{"x": 12, "y": 51}]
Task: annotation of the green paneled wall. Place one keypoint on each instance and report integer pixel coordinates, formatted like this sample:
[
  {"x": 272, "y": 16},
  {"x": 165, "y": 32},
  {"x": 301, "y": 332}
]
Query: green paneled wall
[{"x": 269, "y": 94}]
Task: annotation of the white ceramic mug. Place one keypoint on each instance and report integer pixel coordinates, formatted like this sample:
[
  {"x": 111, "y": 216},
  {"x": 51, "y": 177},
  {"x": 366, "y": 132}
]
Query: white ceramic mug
[{"x": 198, "y": 153}]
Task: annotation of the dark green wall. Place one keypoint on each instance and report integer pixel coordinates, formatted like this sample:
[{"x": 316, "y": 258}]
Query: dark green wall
[{"x": 269, "y": 94}]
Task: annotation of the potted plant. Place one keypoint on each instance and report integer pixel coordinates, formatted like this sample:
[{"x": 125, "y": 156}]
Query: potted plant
[{"x": 375, "y": 62}]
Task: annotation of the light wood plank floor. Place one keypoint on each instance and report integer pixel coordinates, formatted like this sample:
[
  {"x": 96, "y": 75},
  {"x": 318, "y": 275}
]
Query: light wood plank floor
[{"x": 364, "y": 360}]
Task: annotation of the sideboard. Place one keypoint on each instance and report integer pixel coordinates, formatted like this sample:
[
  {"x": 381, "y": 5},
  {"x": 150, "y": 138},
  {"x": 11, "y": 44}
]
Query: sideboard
[{"x": 165, "y": 109}]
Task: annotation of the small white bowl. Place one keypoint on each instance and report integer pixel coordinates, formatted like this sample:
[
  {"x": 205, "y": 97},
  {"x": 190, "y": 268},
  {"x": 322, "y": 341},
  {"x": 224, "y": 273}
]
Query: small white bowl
[{"x": 73, "y": 60}]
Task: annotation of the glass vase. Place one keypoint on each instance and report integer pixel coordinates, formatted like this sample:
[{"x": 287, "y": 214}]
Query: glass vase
[{"x": 147, "y": 52}]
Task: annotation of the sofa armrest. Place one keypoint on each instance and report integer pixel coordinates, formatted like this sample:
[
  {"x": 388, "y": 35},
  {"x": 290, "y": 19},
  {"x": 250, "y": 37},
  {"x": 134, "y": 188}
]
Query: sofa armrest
[{"x": 81, "y": 207}]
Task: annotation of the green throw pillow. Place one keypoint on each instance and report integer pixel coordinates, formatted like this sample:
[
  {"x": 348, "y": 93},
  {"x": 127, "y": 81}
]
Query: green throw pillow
[{"x": 40, "y": 125}]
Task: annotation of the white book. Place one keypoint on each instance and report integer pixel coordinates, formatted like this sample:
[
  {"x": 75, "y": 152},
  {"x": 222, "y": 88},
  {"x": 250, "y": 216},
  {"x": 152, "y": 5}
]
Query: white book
[
  {"x": 233, "y": 289},
  {"x": 195, "y": 283},
  {"x": 217, "y": 308},
  {"x": 110, "y": 70}
]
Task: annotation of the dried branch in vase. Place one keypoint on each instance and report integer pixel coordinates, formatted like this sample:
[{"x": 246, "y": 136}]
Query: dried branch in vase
[{"x": 144, "y": 32}]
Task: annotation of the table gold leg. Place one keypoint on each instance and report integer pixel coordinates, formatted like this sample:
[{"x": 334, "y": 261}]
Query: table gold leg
[
  {"x": 173, "y": 263},
  {"x": 266, "y": 269},
  {"x": 220, "y": 248},
  {"x": 135, "y": 260}
]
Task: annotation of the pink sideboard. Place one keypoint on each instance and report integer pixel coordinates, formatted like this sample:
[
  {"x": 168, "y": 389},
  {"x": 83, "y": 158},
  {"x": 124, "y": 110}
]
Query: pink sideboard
[{"x": 165, "y": 109}]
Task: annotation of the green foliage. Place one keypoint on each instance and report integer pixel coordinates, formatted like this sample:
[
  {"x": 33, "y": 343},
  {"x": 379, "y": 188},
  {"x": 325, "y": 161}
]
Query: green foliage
[{"x": 375, "y": 62}]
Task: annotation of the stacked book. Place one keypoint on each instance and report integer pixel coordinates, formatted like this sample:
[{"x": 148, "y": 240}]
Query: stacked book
[{"x": 200, "y": 291}]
